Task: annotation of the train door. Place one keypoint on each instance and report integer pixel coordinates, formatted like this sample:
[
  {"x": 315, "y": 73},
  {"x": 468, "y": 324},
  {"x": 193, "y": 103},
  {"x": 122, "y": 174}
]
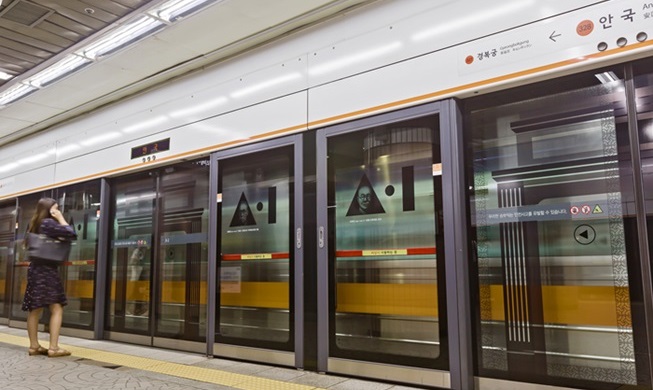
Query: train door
[
  {"x": 157, "y": 277},
  {"x": 259, "y": 244},
  {"x": 381, "y": 247}
]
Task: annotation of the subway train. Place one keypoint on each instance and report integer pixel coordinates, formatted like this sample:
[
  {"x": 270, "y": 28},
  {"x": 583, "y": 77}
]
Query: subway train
[{"x": 445, "y": 194}]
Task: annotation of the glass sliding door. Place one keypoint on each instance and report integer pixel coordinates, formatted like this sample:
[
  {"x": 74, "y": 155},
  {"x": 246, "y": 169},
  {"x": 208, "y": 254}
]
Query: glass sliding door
[
  {"x": 384, "y": 235},
  {"x": 80, "y": 205},
  {"x": 26, "y": 207},
  {"x": 256, "y": 218},
  {"x": 132, "y": 251},
  {"x": 158, "y": 268},
  {"x": 181, "y": 301},
  {"x": 554, "y": 254}
]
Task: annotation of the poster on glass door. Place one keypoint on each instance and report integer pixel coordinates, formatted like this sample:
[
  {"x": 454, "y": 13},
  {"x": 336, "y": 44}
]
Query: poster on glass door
[
  {"x": 386, "y": 205},
  {"x": 255, "y": 210}
]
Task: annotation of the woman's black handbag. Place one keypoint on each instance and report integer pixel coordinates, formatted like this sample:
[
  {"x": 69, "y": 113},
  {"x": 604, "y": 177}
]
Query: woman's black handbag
[{"x": 47, "y": 248}]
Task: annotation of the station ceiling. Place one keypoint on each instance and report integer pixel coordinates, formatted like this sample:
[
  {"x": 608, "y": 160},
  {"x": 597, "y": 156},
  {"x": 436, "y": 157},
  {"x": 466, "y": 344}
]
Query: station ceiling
[{"x": 35, "y": 34}]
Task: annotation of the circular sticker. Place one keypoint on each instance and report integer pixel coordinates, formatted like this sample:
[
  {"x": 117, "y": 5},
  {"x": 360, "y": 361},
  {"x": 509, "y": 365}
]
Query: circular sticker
[
  {"x": 584, "y": 234},
  {"x": 585, "y": 27}
]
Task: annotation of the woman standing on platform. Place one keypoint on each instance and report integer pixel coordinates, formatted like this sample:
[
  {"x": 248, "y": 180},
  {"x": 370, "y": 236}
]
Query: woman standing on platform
[{"x": 44, "y": 287}]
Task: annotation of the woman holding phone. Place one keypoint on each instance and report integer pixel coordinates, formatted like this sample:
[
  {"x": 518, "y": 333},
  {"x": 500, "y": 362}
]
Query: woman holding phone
[{"x": 44, "y": 286}]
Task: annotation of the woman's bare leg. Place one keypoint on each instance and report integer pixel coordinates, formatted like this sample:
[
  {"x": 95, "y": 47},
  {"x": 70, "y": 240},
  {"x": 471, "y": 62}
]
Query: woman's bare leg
[
  {"x": 56, "y": 316},
  {"x": 33, "y": 327}
]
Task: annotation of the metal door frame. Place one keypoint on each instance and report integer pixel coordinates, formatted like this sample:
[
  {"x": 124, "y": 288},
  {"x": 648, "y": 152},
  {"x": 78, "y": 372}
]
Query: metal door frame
[
  {"x": 9, "y": 271},
  {"x": 104, "y": 261},
  {"x": 460, "y": 374},
  {"x": 296, "y": 358}
]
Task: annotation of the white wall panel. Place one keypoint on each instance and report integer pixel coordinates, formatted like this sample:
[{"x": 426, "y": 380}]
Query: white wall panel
[
  {"x": 104, "y": 161},
  {"x": 203, "y": 136},
  {"x": 28, "y": 181},
  {"x": 24, "y": 160},
  {"x": 396, "y": 31},
  {"x": 286, "y": 114},
  {"x": 475, "y": 66}
]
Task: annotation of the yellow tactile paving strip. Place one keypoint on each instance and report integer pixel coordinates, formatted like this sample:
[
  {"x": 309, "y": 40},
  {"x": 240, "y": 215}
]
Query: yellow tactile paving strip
[{"x": 208, "y": 375}]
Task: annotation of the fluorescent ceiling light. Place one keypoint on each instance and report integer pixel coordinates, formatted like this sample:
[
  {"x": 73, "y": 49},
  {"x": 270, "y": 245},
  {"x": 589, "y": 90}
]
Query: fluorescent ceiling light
[
  {"x": 122, "y": 36},
  {"x": 68, "y": 65},
  {"x": 196, "y": 109},
  {"x": 474, "y": 19},
  {"x": 607, "y": 77},
  {"x": 175, "y": 9},
  {"x": 136, "y": 29},
  {"x": 354, "y": 59},
  {"x": 266, "y": 84},
  {"x": 100, "y": 138},
  {"x": 16, "y": 92},
  {"x": 144, "y": 125}
]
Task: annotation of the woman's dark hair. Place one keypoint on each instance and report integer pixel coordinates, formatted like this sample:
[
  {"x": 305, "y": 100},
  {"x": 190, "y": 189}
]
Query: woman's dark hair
[{"x": 42, "y": 212}]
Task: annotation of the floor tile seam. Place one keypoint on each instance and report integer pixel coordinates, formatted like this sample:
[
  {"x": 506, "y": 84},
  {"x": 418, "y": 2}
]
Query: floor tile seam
[{"x": 216, "y": 376}]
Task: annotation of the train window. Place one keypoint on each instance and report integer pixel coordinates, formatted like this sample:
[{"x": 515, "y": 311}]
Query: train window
[
  {"x": 386, "y": 246},
  {"x": 549, "y": 225}
]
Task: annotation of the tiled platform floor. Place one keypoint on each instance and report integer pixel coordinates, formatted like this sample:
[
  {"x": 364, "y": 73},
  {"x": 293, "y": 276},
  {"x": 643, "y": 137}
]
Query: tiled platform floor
[{"x": 109, "y": 365}]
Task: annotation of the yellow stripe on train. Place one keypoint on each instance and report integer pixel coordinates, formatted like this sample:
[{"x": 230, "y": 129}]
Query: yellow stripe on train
[{"x": 571, "y": 305}]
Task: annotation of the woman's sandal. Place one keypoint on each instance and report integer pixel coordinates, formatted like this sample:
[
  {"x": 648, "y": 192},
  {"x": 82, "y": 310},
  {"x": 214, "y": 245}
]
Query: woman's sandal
[
  {"x": 37, "y": 351},
  {"x": 58, "y": 352}
]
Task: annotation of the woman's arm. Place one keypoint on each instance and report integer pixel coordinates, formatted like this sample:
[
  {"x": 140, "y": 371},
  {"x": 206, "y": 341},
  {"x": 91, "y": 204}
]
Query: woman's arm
[{"x": 54, "y": 229}]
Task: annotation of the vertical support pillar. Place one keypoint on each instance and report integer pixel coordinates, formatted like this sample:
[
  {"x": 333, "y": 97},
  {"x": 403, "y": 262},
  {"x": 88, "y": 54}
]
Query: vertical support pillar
[
  {"x": 102, "y": 260},
  {"x": 640, "y": 207},
  {"x": 459, "y": 318},
  {"x": 212, "y": 276}
]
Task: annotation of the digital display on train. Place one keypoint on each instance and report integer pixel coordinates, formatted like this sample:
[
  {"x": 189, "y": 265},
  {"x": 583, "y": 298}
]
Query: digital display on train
[{"x": 151, "y": 148}]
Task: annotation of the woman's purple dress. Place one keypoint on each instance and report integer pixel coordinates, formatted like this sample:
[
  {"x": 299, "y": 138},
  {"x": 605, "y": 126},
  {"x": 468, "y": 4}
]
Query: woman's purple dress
[{"x": 44, "y": 285}]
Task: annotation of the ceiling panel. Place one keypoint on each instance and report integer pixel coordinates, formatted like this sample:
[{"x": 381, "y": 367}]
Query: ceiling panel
[
  {"x": 225, "y": 28},
  {"x": 9, "y": 126},
  {"x": 25, "y": 44}
]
